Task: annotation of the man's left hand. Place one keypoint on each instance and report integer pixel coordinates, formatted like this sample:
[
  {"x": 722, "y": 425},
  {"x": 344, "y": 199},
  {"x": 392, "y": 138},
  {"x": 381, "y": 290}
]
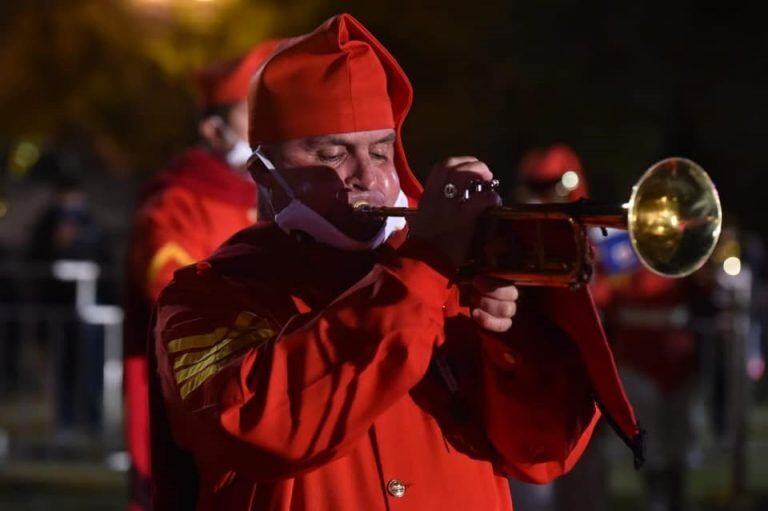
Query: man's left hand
[{"x": 493, "y": 303}]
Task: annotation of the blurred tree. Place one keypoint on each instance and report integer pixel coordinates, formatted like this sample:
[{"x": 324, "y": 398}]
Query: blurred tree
[{"x": 120, "y": 70}]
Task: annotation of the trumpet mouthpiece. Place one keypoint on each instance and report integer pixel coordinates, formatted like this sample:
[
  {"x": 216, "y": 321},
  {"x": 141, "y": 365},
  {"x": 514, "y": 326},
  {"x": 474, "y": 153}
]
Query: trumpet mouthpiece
[
  {"x": 380, "y": 211},
  {"x": 362, "y": 207}
]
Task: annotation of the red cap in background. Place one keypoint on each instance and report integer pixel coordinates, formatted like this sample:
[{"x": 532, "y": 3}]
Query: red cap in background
[
  {"x": 225, "y": 83},
  {"x": 549, "y": 165}
]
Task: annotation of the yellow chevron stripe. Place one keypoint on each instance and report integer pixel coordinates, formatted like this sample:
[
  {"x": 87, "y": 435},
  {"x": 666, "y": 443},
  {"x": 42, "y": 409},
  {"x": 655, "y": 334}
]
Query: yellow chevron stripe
[
  {"x": 206, "y": 340},
  {"x": 194, "y": 368},
  {"x": 197, "y": 341},
  {"x": 201, "y": 377},
  {"x": 193, "y": 357},
  {"x": 170, "y": 252},
  {"x": 220, "y": 351},
  {"x": 205, "y": 359}
]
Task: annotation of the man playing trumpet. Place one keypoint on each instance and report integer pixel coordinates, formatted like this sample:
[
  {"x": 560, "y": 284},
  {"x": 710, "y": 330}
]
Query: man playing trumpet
[{"x": 327, "y": 360}]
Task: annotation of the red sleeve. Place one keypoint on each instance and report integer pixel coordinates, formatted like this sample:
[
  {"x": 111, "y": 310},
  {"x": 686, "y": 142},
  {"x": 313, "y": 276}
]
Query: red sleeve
[
  {"x": 521, "y": 399},
  {"x": 286, "y": 401},
  {"x": 565, "y": 367},
  {"x": 538, "y": 409}
]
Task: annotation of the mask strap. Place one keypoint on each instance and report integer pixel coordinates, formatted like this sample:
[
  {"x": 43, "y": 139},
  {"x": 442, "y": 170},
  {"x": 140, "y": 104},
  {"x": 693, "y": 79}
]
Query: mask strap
[{"x": 272, "y": 170}]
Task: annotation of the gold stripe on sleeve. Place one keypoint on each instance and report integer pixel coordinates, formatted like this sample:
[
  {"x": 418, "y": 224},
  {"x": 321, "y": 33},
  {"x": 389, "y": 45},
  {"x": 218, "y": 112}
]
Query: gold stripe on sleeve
[
  {"x": 170, "y": 252},
  {"x": 193, "y": 368},
  {"x": 193, "y": 342}
]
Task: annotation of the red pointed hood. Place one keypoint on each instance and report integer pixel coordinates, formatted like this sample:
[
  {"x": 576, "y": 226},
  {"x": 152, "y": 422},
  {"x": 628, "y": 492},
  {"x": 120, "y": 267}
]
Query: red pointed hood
[{"x": 337, "y": 79}]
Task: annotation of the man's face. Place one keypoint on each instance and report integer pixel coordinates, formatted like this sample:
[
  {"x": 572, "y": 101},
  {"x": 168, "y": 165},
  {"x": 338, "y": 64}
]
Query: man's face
[{"x": 332, "y": 173}]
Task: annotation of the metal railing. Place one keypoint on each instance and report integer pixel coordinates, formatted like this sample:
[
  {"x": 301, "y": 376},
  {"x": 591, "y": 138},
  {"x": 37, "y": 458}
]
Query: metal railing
[{"x": 61, "y": 349}]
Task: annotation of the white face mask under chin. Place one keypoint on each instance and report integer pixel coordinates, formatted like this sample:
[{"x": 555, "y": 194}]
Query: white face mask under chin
[
  {"x": 240, "y": 152},
  {"x": 297, "y": 216},
  {"x": 238, "y": 156}
]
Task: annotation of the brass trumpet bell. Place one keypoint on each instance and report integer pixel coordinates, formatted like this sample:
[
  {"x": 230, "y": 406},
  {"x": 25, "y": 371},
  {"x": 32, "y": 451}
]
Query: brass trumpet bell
[{"x": 674, "y": 217}]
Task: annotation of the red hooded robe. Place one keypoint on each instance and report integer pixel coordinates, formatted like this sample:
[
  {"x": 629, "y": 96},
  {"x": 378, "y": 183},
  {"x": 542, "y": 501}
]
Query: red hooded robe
[{"x": 302, "y": 377}]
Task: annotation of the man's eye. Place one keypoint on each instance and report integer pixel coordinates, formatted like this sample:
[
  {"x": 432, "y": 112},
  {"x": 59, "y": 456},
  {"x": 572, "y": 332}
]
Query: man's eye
[
  {"x": 330, "y": 158},
  {"x": 380, "y": 156},
  {"x": 381, "y": 152}
]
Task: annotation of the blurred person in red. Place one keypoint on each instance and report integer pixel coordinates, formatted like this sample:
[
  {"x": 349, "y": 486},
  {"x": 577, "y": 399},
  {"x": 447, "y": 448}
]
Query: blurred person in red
[
  {"x": 324, "y": 360},
  {"x": 650, "y": 322},
  {"x": 552, "y": 174},
  {"x": 185, "y": 213},
  {"x": 648, "y": 319}
]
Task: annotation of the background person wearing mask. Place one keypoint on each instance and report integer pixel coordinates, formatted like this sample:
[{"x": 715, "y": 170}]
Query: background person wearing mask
[
  {"x": 649, "y": 320},
  {"x": 185, "y": 213}
]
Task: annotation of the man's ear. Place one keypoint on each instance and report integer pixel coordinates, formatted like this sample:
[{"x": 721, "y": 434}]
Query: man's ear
[{"x": 211, "y": 131}]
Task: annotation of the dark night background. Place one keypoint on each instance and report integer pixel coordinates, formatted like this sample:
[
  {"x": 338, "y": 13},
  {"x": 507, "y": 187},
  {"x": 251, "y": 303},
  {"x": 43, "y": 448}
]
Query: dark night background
[{"x": 625, "y": 84}]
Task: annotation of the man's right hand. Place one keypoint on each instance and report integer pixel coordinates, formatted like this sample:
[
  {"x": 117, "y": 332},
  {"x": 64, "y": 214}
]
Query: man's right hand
[{"x": 449, "y": 223}]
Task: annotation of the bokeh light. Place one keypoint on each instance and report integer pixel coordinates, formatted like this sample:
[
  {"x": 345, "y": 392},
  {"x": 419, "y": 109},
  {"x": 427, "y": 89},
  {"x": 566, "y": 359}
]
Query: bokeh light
[
  {"x": 24, "y": 157},
  {"x": 570, "y": 180},
  {"x": 732, "y": 266}
]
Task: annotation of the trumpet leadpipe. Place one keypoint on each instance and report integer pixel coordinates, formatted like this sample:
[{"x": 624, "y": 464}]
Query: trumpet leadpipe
[
  {"x": 586, "y": 212},
  {"x": 382, "y": 211}
]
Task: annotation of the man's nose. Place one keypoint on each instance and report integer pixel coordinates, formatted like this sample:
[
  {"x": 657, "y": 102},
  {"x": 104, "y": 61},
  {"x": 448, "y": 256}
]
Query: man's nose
[{"x": 362, "y": 175}]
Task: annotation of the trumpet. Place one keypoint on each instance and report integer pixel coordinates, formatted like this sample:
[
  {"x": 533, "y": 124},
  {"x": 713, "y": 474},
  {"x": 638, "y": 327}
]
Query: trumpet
[{"x": 673, "y": 218}]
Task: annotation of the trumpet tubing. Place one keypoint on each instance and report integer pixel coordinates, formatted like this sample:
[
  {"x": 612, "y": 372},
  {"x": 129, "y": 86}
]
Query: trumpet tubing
[{"x": 673, "y": 218}]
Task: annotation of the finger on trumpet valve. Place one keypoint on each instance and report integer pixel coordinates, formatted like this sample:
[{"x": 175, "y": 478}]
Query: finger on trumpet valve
[{"x": 477, "y": 186}]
